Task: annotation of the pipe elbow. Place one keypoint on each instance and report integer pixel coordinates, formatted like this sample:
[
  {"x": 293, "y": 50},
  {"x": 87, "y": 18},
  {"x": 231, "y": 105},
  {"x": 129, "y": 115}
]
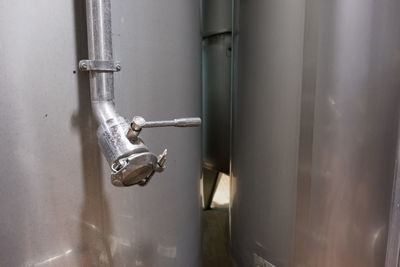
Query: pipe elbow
[{"x": 104, "y": 111}]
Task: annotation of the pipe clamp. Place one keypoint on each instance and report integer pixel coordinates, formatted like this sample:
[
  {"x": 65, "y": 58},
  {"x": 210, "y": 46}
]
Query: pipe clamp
[{"x": 100, "y": 65}]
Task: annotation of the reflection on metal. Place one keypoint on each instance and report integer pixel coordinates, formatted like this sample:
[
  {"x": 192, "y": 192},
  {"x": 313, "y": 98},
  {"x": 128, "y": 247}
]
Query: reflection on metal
[
  {"x": 312, "y": 183},
  {"x": 130, "y": 160},
  {"x": 50, "y": 261}
]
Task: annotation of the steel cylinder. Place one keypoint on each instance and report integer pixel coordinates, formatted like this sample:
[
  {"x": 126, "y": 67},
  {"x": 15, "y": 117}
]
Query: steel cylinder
[
  {"x": 216, "y": 73},
  {"x": 316, "y": 110},
  {"x": 58, "y": 206},
  {"x": 217, "y": 101}
]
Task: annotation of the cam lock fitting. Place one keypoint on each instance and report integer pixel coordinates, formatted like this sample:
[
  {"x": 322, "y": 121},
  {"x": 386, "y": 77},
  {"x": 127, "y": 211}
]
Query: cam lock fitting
[{"x": 139, "y": 166}]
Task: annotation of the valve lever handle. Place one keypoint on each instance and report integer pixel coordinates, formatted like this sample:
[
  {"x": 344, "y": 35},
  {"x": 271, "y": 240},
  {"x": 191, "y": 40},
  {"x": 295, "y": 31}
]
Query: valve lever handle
[
  {"x": 139, "y": 122},
  {"x": 183, "y": 122},
  {"x": 136, "y": 127}
]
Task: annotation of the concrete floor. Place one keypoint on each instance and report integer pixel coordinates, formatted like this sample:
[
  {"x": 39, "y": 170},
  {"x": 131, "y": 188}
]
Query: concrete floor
[{"x": 216, "y": 238}]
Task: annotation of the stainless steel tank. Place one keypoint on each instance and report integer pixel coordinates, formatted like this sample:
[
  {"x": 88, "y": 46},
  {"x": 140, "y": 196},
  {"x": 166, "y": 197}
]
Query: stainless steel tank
[
  {"x": 217, "y": 101},
  {"x": 316, "y": 110},
  {"x": 216, "y": 72},
  {"x": 57, "y": 203}
]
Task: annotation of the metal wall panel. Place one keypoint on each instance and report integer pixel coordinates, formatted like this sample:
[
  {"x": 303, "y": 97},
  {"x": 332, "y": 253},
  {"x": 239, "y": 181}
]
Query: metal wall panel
[
  {"x": 57, "y": 203},
  {"x": 313, "y": 172}
]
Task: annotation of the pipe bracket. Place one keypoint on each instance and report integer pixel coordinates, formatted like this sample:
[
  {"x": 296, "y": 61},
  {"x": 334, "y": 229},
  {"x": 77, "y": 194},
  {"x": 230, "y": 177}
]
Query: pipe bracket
[{"x": 99, "y": 65}]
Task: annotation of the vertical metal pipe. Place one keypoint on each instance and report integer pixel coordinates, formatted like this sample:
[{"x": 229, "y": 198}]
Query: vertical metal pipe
[{"x": 98, "y": 13}]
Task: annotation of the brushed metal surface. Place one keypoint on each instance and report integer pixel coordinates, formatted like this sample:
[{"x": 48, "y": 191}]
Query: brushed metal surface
[
  {"x": 265, "y": 130},
  {"x": 58, "y": 207},
  {"x": 318, "y": 192},
  {"x": 217, "y": 101},
  {"x": 350, "y": 173}
]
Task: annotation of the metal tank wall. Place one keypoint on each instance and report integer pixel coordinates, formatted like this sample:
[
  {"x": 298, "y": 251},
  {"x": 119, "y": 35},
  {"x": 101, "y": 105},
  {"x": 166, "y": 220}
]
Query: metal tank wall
[
  {"x": 265, "y": 129},
  {"x": 316, "y": 113},
  {"x": 58, "y": 206},
  {"x": 216, "y": 72},
  {"x": 216, "y": 65}
]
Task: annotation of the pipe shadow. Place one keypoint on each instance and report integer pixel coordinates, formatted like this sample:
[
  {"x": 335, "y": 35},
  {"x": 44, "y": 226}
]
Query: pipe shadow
[{"x": 95, "y": 219}]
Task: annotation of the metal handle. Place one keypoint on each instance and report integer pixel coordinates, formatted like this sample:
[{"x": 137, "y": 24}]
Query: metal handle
[
  {"x": 139, "y": 122},
  {"x": 183, "y": 122}
]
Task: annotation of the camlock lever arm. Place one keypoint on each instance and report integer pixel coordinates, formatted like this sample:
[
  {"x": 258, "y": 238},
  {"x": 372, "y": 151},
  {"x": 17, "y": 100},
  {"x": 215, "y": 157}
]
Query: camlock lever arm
[{"x": 139, "y": 122}]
